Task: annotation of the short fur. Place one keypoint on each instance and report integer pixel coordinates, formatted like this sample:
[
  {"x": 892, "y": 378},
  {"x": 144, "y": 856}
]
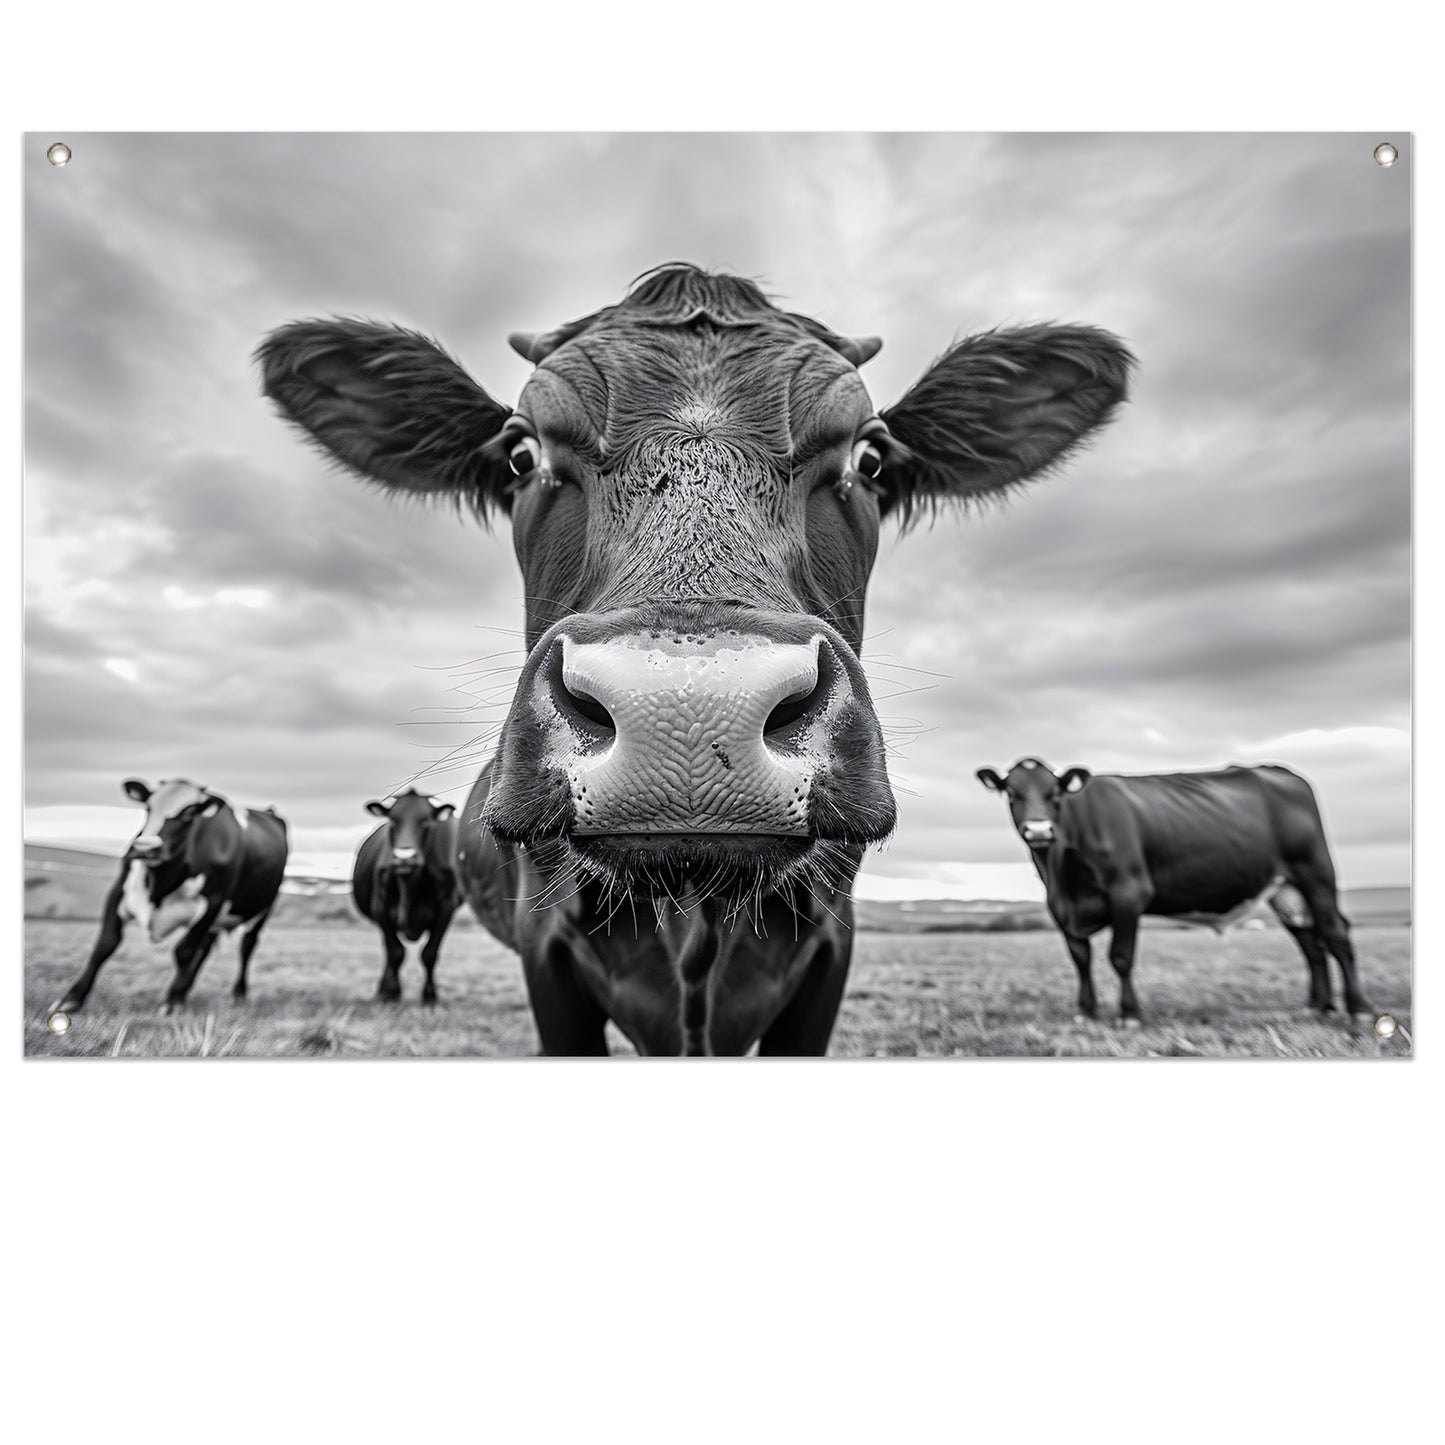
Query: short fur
[
  {"x": 691, "y": 458},
  {"x": 241, "y": 865},
  {"x": 1194, "y": 846}
]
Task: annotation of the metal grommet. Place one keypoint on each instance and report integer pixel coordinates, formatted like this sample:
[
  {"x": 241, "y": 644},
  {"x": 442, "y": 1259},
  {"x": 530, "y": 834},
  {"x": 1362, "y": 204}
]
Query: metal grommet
[
  {"x": 58, "y": 1021},
  {"x": 1386, "y": 154},
  {"x": 58, "y": 154},
  {"x": 1385, "y": 1025}
]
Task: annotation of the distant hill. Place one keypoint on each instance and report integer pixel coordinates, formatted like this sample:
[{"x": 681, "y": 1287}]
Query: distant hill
[
  {"x": 1375, "y": 906},
  {"x": 72, "y": 883},
  {"x": 950, "y": 915}
]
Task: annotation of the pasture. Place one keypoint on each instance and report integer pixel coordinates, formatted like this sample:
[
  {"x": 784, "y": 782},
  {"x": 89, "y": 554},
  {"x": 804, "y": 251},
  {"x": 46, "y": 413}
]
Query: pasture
[{"x": 935, "y": 994}]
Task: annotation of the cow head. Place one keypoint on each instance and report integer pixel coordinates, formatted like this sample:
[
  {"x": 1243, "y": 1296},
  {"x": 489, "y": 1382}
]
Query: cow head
[
  {"x": 1034, "y": 796},
  {"x": 411, "y": 818},
  {"x": 172, "y": 809},
  {"x": 695, "y": 481}
]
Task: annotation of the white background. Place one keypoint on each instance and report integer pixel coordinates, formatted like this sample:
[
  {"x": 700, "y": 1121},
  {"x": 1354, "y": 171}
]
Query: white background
[{"x": 555, "y": 1251}]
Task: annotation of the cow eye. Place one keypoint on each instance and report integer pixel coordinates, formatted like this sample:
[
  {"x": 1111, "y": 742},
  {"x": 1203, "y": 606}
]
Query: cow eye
[
  {"x": 866, "y": 460},
  {"x": 525, "y": 457}
]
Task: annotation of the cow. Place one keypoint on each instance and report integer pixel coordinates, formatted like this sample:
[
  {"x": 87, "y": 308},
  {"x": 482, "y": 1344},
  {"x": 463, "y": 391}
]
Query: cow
[
  {"x": 405, "y": 882},
  {"x": 691, "y": 766},
  {"x": 199, "y": 867},
  {"x": 1204, "y": 848}
]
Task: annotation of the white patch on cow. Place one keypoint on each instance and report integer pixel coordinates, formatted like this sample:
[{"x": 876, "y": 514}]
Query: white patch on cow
[
  {"x": 1290, "y": 907},
  {"x": 242, "y": 816},
  {"x": 178, "y": 910},
  {"x": 135, "y": 898},
  {"x": 171, "y": 796},
  {"x": 1221, "y": 923}
]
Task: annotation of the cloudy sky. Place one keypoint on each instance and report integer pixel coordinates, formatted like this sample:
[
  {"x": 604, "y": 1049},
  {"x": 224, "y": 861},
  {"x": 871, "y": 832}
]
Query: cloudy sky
[{"x": 1223, "y": 577}]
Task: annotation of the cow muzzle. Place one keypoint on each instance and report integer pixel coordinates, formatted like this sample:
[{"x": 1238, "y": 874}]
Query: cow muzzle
[
  {"x": 1037, "y": 832},
  {"x": 692, "y": 735},
  {"x": 721, "y": 732}
]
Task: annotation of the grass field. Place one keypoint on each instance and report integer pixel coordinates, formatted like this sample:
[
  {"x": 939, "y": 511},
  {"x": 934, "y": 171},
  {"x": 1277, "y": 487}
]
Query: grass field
[{"x": 908, "y": 995}]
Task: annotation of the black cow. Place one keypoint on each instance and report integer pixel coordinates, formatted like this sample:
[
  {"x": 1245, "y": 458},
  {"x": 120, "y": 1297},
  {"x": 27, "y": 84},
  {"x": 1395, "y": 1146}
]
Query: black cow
[
  {"x": 405, "y": 882},
  {"x": 200, "y": 866},
  {"x": 1200, "y": 847},
  {"x": 691, "y": 766}
]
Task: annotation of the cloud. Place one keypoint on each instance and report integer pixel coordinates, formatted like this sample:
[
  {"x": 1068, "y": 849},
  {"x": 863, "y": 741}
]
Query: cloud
[{"x": 1225, "y": 571}]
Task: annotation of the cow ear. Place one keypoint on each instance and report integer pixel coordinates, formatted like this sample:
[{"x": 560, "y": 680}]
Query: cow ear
[
  {"x": 390, "y": 405},
  {"x": 990, "y": 779},
  {"x": 136, "y": 790},
  {"x": 378, "y": 809},
  {"x": 1074, "y": 779},
  {"x": 445, "y": 810},
  {"x": 998, "y": 409}
]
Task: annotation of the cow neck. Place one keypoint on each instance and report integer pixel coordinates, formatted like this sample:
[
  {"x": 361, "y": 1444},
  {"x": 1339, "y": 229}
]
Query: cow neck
[{"x": 166, "y": 877}]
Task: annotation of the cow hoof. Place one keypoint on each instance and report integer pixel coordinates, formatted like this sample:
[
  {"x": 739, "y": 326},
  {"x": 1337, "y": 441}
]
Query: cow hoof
[
  {"x": 172, "y": 1006},
  {"x": 239, "y": 995},
  {"x": 429, "y": 998},
  {"x": 383, "y": 996}
]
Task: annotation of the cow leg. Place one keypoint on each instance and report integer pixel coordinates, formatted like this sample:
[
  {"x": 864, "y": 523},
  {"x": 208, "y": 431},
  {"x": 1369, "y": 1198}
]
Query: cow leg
[
  {"x": 1289, "y": 907},
  {"x": 389, "y": 988},
  {"x": 106, "y": 943},
  {"x": 805, "y": 1025},
  {"x": 1082, "y": 952},
  {"x": 1317, "y": 884},
  {"x": 1321, "y": 994},
  {"x": 191, "y": 953},
  {"x": 1122, "y": 945},
  {"x": 429, "y": 954},
  {"x": 249, "y": 935},
  {"x": 1334, "y": 933},
  {"x": 569, "y": 1023}
]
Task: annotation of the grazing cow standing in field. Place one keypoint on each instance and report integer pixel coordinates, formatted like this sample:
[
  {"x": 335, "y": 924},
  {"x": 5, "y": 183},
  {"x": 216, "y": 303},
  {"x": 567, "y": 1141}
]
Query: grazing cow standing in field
[
  {"x": 200, "y": 866},
  {"x": 405, "y": 882},
  {"x": 1202, "y": 848},
  {"x": 691, "y": 767}
]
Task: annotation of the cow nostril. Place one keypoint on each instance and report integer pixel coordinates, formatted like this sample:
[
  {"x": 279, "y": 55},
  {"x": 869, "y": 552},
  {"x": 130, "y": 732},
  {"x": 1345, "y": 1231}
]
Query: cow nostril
[
  {"x": 586, "y": 706},
  {"x": 806, "y": 702},
  {"x": 792, "y": 710}
]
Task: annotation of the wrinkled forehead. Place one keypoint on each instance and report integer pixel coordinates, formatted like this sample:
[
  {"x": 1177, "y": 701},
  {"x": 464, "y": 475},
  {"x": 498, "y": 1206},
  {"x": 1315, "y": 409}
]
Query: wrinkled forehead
[
  {"x": 1029, "y": 777},
  {"x": 173, "y": 796},
  {"x": 763, "y": 385}
]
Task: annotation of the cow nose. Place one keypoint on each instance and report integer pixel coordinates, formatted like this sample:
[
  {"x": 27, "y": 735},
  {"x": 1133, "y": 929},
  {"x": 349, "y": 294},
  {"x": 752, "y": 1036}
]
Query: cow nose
[
  {"x": 692, "y": 734},
  {"x": 1037, "y": 830},
  {"x": 404, "y": 855}
]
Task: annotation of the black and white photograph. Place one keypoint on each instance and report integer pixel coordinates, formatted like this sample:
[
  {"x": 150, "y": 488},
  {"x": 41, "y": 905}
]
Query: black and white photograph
[{"x": 879, "y": 595}]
